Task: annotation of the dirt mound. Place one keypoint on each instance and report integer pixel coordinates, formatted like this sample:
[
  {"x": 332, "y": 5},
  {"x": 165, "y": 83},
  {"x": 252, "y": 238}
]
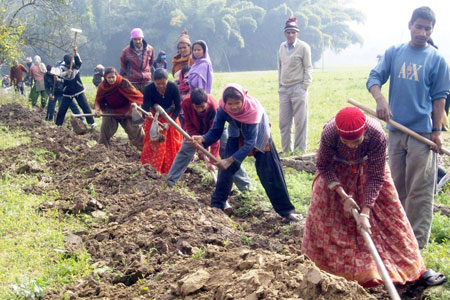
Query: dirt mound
[{"x": 153, "y": 242}]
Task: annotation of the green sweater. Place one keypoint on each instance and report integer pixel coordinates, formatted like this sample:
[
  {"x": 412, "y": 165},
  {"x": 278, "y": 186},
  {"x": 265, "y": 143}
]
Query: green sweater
[{"x": 294, "y": 66}]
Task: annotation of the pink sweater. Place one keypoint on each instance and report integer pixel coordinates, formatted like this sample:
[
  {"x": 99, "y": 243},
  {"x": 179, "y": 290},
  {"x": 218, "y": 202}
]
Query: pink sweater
[{"x": 36, "y": 74}]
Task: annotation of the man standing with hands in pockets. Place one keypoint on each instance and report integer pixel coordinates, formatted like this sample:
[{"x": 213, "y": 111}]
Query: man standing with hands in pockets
[{"x": 294, "y": 77}]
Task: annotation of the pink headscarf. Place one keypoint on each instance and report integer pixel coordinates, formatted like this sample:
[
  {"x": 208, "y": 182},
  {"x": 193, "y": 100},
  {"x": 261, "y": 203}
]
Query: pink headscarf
[{"x": 251, "y": 112}]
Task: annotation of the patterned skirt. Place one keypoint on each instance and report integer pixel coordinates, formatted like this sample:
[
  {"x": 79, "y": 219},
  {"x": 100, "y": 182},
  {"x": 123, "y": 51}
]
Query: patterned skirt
[
  {"x": 160, "y": 155},
  {"x": 331, "y": 238}
]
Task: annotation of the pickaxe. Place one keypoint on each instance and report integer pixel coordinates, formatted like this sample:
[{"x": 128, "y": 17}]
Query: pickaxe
[{"x": 74, "y": 45}]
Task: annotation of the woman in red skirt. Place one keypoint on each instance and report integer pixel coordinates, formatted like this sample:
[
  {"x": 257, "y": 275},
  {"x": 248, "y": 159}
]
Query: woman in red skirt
[
  {"x": 352, "y": 173},
  {"x": 160, "y": 154}
]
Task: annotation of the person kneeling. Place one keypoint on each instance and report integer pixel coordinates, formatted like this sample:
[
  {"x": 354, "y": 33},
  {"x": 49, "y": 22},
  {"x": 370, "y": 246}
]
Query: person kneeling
[
  {"x": 114, "y": 96},
  {"x": 249, "y": 126}
]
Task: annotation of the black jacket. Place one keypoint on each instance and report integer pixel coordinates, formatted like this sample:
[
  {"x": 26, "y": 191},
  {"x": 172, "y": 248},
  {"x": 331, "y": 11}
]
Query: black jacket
[
  {"x": 49, "y": 81},
  {"x": 72, "y": 85}
]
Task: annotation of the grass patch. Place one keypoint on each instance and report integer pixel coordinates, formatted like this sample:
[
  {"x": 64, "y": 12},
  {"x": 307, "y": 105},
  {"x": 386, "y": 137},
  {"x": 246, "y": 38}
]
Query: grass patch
[
  {"x": 440, "y": 230},
  {"x": 30, "y": 262},
  {"x": 10, "y": 139},
  {"x": 444, "y": 197},
  {"x": 41, "y": 155},
  {"x": 437, "y": 257},
  {"x": 246, "y": 205},
  {"x": 28, "y": 239}
]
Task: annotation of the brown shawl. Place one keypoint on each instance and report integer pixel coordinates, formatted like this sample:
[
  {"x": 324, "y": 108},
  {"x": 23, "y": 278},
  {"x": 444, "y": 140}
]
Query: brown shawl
[{"x": 179, "y": 62}]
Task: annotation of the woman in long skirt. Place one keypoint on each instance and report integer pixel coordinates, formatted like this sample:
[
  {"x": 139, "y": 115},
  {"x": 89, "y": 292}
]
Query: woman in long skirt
[
  {"x": 352, "y": 173},
  {"x": 160, "y": 154}
]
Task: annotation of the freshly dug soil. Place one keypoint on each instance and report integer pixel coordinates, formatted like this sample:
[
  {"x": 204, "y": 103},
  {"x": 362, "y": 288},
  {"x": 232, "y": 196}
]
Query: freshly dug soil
[{"x": 149, "y": 241}]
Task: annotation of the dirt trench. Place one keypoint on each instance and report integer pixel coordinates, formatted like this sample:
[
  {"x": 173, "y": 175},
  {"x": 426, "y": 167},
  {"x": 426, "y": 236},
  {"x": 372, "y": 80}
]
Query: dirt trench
[{"x": 155, "y": 242}]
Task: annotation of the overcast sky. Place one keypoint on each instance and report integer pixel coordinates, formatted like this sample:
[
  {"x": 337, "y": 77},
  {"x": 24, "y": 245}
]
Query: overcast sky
[{"x": 387, "y": 24}]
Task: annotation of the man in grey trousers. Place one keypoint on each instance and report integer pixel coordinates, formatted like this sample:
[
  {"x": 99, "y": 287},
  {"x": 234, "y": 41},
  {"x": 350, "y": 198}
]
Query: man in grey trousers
[
  {"x": 294, "y": 77},
  {"x": 419, "y": 84}
]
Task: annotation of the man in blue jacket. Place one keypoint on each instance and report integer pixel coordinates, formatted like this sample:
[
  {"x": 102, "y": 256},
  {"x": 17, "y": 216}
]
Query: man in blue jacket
[{"x": 419, "y": 85}]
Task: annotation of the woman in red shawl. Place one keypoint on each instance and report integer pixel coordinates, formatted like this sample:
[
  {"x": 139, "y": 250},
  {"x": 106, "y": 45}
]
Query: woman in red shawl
[
  {"x": 160, "y": 154},
  {"x": 352, "y": 173},
  {"x": 114, "y": 96}
]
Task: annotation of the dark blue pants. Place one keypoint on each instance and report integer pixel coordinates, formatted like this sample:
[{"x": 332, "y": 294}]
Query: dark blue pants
[
  {"x": 270, "y": 173},
  {"x": 51, "y": 107},
  {"x": 66, "y": 102}
]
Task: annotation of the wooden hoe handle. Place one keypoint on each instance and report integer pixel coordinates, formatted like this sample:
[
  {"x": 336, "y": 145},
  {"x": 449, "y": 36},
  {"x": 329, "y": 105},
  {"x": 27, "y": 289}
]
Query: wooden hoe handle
[
  {"x": 184, "y": 133},
  {"x": 397, "y": 125}
]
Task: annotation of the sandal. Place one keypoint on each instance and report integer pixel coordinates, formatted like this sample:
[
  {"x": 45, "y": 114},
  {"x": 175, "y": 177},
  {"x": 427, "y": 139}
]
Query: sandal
[{"x": 432, "y": 278}]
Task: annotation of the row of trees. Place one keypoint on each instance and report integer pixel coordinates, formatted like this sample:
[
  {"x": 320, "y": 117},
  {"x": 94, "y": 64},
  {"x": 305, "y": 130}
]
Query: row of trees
[{"x": 242, "y": 35}]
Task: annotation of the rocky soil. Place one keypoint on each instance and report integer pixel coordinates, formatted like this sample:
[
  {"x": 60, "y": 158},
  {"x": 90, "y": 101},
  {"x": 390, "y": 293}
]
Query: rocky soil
[{"x": 149, "y": 241}]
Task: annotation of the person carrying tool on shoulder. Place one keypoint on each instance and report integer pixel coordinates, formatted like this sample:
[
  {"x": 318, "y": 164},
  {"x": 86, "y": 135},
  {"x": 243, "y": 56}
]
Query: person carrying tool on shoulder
[
  {"x": 115, "y": 95},
  {"x": 352, "y": 174},
  {"x": 419, "y": 85}
]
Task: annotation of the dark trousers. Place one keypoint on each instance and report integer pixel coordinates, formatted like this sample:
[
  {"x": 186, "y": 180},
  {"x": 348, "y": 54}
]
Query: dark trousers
[
  {"x": 52, "y": 104},
  {"x": 270, "y": 173},
  {"x": 18, "y": 86},
  {"x": 65, "y": 103}
]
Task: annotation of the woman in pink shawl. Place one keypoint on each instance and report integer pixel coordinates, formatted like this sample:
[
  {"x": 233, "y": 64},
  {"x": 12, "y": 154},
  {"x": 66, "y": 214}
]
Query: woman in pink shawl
[
  {"x": 249, "y": 134},
  {"x": 201, "y": 73}
]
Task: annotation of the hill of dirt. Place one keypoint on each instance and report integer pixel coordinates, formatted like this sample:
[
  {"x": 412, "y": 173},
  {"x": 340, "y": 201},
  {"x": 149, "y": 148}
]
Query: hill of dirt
[{"x": 149, "y": 241}]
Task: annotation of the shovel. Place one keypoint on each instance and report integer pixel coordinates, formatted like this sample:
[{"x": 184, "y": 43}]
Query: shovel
[
  {"x": 184, "y": 133},
  {"x": 397, "y": 125},
  {"x": 78, "y": 126},
  {"x": 376, "y": 257}
]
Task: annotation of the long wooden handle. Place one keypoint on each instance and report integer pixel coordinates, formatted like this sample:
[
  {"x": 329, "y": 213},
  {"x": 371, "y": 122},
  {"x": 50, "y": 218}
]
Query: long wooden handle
[
  {"x": 184, "y": 133},
  {"x": 101, "y": 115},
  {"x": 73, "y": 53},
  {"x": 149, "y": 115},
  {"x": 378, "y": 261},
  {"x": 397, "y": 125}
]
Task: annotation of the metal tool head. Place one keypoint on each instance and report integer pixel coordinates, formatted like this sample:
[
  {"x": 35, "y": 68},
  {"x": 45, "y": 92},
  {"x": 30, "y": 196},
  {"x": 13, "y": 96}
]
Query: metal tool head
[
  {"x": 136, "y": 116},
  {"x": 154, "y": 132},
  {"x": 76, "y": 30},
  {"x": 55, "y": 71},
  {"x": 78, "y": 126}
]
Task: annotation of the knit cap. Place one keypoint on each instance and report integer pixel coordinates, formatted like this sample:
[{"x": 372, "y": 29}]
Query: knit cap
[
  {"x": 291, "y": 23},
  {"x": 137, "y": 33},
  {"x": 184, "y": 38},
  {"x": 350, "y": 123}
]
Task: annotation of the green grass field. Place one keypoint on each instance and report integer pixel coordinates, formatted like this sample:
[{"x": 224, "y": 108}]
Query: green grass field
[{"x": 328, "y": 93}]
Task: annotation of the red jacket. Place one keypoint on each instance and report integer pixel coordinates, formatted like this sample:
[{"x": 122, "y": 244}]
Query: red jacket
[
  {"x": 16, "y": 72},
  {"x": 194, "y": 124},
  {"x": 131, "y": 66}
]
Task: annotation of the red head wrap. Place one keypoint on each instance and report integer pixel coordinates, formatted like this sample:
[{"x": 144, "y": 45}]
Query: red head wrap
[{"x": 350, "y": 123}]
